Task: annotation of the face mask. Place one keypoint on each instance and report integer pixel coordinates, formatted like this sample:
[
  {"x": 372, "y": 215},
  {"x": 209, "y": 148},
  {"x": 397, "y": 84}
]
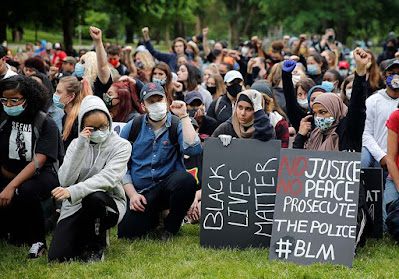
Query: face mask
[
  {"x": 295, "y": 78},
  {"x": 393, "y": 81},
  {"x": 303, "y": 103},
  {"x": 192, "y": 112},
  {"x": 324, "y": 123},
  {"x": 4, "y": 44},
  {"x": 312, "y": 69},
  {"x": 139, "y": 65},
  {"x": 99, "y": 136},
  {"x": 276, "y": 61},
  {"x": 349, "y": 93},
  {"x": 328, "y": 85},
  {"x": 57, "y": 103},
  {"x": 159, "y": 81},
  {"x": 343, "y": 72},
  {"x": 244, "y": 51},
  {"x": 113, "y": 62},
  {"x": 223, "y": 76},
  {"x": 369, "y": 65},
  {"x": 391, "y": 49},
  {"x": 331, "y": 38},
  {"x": 14, "y": 111},
  {"x": 79, "y": 70},
  {"x": 157, "y": 111},
  {"x": 216, "y": 52},
  {"x": 211, "y": 90},
  {"x": 234, "y": 89},
  {"x": 108, "y": 101}
]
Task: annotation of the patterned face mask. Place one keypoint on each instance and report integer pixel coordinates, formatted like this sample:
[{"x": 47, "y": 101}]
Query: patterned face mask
[{"x": 324, "y": 123}]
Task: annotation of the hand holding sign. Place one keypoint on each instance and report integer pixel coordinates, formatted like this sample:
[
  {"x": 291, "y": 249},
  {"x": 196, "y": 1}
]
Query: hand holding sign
[{"x": 225, "y": 139}]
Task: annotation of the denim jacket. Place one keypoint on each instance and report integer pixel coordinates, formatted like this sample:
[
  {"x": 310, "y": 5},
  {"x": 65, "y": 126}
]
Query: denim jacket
[{"x": 154, "y": 158}]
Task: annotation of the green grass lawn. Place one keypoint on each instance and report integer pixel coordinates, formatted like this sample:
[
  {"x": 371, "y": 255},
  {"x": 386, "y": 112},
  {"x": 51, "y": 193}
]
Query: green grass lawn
[{"x": 183, "y": 257}]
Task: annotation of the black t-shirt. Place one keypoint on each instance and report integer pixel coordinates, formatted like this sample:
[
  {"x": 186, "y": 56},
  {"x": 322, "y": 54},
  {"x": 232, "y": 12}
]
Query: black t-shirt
[
  {"x": 122, "y": 70},
  {"x": 194, "y": 167},
  {"x": 73, "y": 134},
  {"x": 17, "y": 141},
  {"x": 100, "y": 88}
]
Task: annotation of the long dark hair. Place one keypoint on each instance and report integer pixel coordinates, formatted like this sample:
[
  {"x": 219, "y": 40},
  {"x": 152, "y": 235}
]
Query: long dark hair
[
  {"x": 316, "y": 56},
  {"x": 193, "y": 77},
  {"x": 168, "y": 86},
  {"x": 33, "y": 92}
]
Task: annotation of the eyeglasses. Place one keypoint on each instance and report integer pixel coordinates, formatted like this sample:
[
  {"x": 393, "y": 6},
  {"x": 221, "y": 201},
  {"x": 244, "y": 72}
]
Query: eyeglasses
[
  {"x": 101, "y": 128},
  {"x": 13, "y": 101}
]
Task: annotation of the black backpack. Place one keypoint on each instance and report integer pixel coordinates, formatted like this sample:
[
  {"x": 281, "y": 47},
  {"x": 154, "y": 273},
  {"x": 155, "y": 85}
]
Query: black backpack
[
  {"x": 136, "y": 129},
  {"x": 37, "y": 130}
]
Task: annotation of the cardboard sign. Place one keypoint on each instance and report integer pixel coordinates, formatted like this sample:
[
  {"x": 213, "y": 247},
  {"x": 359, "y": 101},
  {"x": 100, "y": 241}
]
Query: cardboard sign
[
  {"x": 372, "y": 180},
  {"x": 118, "y": 127},
  {"x": 238, "y": 192},
  {"x": 316, "y": 207}
]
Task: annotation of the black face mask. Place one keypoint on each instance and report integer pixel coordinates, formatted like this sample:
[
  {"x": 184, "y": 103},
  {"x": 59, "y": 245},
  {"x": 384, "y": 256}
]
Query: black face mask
[
  {"x": 216, "y": 52},
  {"x": 255, "y": 71},
  {"x": 276, "y": 61},
  {"x": 391, "y": 49},
  {"x": 211, "y": 89},
  {"x": 192, "y": 112},
  {"x": 223, "y": 76},
  {"x": 234, "y": 89}
]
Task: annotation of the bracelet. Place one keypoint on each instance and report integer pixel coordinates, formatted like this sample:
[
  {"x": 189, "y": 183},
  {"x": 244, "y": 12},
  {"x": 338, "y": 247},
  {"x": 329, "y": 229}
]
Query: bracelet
[{"x": 184, "y": 116}]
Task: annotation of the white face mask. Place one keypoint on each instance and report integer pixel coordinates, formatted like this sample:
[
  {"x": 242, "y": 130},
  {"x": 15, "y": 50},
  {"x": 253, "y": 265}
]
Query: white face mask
[
  {"x": 295, "y": 78},
  {"x": 99, "y": 136},
  {"x": 303, "y": 103},
  {"x": 157, "y": 111},
  {"x": 349, "y": 93}
]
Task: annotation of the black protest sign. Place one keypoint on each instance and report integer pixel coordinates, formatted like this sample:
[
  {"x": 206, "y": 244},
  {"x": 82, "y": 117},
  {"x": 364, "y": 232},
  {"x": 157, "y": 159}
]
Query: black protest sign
[
  {"x": 372, "y": 180},
  {"x": 238, "y": 192},
  {"x": 316, "y": 207}
]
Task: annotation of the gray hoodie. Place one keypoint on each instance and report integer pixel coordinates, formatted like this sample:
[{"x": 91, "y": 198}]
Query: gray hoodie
[{"x": 90, "y": 167}]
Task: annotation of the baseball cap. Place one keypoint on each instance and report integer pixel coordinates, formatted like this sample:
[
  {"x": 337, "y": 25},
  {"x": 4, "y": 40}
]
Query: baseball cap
[
  {"x": 343, "y": 64},
  {"x": 151, "y": 89},
  {"x": 391, "y": 62},
  {"x": 48, "y": 46},
  {"x": 69, "y": 59},
  {"x": 57, "y": 46},
  {"x": 232, "y": 75},
  {"x": 193, "y": 95}
]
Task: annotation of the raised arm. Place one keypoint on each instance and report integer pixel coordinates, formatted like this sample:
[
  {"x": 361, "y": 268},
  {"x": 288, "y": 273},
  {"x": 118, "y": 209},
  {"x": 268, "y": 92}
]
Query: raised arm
[
  {"x": 102, "y": 67},
  {"x": 162, "y": 56},
  {"x": 207, "y": 50}
]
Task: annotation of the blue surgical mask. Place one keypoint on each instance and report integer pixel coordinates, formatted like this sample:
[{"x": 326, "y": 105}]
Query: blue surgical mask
[
  {"x": 99, "y": 136},
  {"x": 324, "y": 123},
  {"x": 393, "y": 81},
  {"x": 303, "y": 103},
  {"x": 328, "y": 86},
  {"x": 79, "y": 70},
  {"x": 312, "y": 69},
  {"x": 57, "y": 103},
  {"x": 15, "y": 110},
  {"x": 159, "y": 81}
]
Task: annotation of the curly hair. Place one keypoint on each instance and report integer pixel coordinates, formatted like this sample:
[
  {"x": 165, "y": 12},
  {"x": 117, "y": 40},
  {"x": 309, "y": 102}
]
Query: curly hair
[
  {"x": 90, "y": 64},
  {"x": 36, "y": 63},
  {"x": 33, "y": 92}
]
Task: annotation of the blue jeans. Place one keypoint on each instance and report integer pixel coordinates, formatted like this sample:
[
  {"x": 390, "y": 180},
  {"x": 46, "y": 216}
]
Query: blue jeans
[
  {"x": 367, "y": 160},
  {"x": 390, "y": 194}
]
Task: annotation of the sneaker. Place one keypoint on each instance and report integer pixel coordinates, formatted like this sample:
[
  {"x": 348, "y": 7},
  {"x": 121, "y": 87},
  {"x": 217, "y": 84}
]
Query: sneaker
[
  {"x": 166, "y": 236},
  {"x": 36, "y": 250},
  {"x": 95, "y": 256}
]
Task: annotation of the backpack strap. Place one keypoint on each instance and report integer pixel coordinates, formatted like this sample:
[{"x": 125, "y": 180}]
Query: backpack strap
[
  {"x": 217, "y": 104},
  {"x": 173, "y": 137},
  {"x": 37, "y": 129},
  {"x": 135, "y": 129}
]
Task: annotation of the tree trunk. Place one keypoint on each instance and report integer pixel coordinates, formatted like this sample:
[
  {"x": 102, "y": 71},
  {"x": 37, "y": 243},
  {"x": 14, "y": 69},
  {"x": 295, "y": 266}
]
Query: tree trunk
[
  {"x": 248, "y": 21},
  {"x": 67, "y": 28},
  {"x": 3, "y": 24},
  {"x": 180, "y": 29},
  {"x": 129, "y": 33},
  {"x": 167, "y": 36},
  {"x": 197, "y": 25}
]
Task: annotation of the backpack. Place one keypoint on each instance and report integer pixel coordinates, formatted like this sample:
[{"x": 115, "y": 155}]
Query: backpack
[
  {"x": 37, "y": 129},
  {"x": 136, "y": 128}
]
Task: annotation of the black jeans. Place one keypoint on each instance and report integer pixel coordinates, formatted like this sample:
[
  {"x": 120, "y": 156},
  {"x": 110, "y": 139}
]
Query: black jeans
[
  {"x": 24, "y": 218},
  {"x": 176, "y": 193},
  {"x": 86, "y": 229}
]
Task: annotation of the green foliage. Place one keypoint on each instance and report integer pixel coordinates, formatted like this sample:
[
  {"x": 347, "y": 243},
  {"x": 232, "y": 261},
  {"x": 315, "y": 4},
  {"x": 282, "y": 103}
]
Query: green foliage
[{"x": 93, "y": 18}]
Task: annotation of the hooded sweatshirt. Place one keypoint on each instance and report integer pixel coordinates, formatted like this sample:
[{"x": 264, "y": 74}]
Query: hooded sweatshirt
[
  {"x": 378, "y": 109},
  {"x": 90, "y": 167}
]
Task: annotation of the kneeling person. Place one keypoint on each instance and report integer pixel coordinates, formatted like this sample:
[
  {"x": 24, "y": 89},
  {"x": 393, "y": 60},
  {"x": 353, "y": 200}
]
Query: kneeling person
[
  {"x": 91, "y": 179},
  {"x": 156, "y": 178}
]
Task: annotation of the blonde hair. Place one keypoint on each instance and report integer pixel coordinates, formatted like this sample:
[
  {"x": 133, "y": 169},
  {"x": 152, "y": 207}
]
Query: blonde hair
[
  {"x": 333, "y": 55},
  {"x": 90, "y": 65},
  {"x": 81, "y": 90},
  {"x": 220, "y": 86},
  {"x": 147, "y": 60},
  {"x": 213, "y": 68},
  {"x": 275, "y": 75}
]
